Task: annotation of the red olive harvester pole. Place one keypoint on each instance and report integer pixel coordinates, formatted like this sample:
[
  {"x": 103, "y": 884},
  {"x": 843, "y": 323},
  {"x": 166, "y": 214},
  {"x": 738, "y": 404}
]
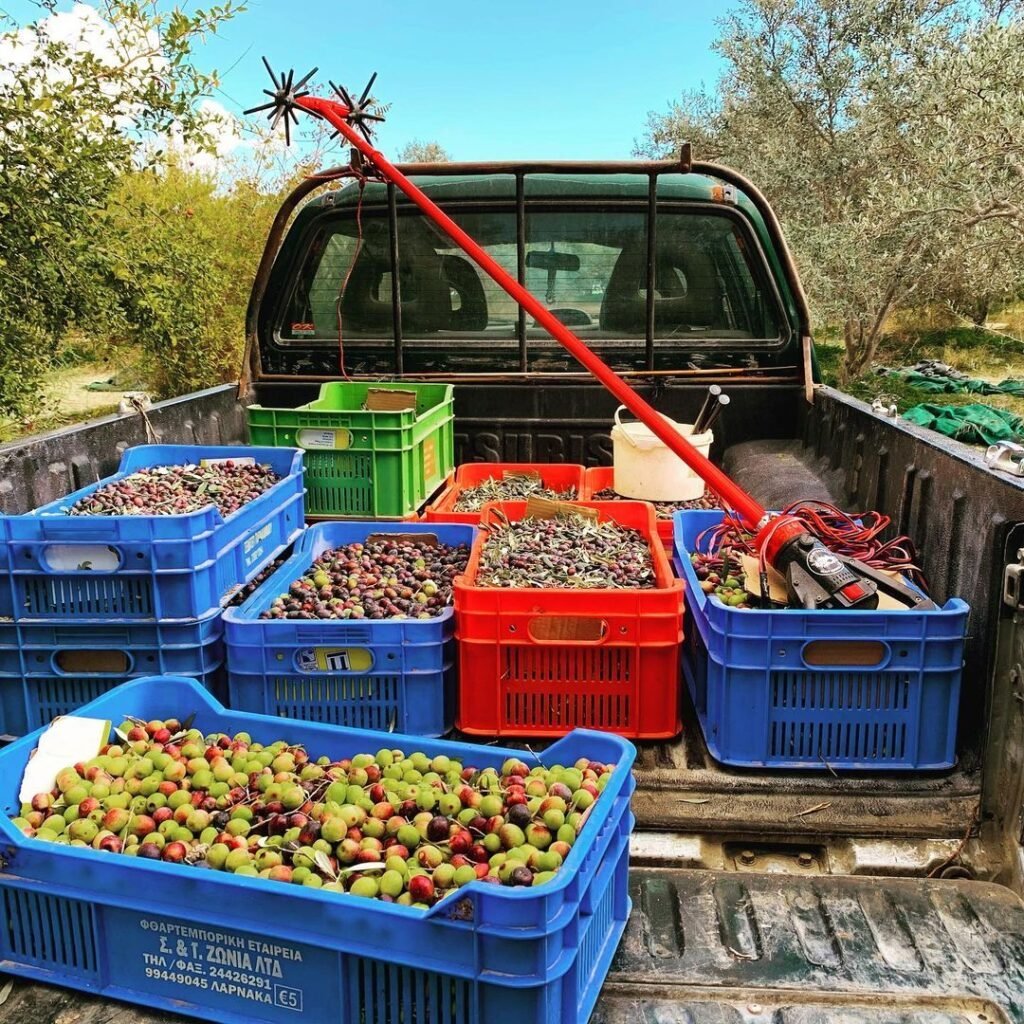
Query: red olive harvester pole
[
  {"x": 815, "y": 576},
  {"x": 734, "y": 496}
]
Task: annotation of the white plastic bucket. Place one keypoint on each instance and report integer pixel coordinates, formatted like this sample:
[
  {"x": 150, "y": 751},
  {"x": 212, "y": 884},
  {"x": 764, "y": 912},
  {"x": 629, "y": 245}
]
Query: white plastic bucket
[{"x": 646, "y": 468}]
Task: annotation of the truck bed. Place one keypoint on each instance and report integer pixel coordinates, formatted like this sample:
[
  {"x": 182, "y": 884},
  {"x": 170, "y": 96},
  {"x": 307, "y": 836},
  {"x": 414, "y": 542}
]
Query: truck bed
[{"x": 757, "y": 896}]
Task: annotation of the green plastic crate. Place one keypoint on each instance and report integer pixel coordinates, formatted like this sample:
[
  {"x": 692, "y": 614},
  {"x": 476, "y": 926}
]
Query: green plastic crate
[{"x": 376, "y": 464}]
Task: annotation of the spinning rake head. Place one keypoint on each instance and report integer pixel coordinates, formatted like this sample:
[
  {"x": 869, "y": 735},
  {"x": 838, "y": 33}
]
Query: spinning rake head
[
  {"x": 284, "y": 97},
  {"x": 365, "y": 109}
]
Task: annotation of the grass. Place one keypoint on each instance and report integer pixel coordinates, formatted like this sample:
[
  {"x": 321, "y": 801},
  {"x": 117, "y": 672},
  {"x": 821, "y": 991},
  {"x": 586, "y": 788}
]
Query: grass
[
  {"x": 67, "y": 399},
  {"x": 991, "y": 353}
]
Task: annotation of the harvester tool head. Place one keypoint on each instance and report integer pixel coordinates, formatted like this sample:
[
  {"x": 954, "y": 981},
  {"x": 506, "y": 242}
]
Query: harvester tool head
[
  {"x": 284, "y": 105},
  {"x": 283, "y": 99},
  {"x": 364, "y": 111}
]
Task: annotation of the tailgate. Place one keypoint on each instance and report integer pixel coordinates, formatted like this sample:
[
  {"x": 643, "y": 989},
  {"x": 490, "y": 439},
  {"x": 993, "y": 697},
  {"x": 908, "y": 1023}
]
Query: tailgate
[{"x": 723, "y": 947}]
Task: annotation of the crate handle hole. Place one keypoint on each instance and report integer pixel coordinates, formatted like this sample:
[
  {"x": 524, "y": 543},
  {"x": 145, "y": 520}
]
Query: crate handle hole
[
  {"x": 859, "y": 653},
  {"x": 81, "y": 558},
  {"x": 567, "y": 629},
  {"x": 89, "y": 662}
]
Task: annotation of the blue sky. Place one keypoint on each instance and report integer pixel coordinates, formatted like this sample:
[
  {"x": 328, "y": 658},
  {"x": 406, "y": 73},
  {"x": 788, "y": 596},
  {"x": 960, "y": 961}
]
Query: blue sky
[{"x": 558, "y": 79}]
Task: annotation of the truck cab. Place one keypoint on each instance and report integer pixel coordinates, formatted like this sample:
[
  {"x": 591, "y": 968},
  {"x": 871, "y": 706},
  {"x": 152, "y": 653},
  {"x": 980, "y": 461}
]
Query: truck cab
[{"x": 758, "y": 894}]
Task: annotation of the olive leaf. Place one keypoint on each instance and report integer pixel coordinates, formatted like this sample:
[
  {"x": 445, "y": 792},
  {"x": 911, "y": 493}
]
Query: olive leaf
[
  {"x": 323, "y": 862},
  {"x": 373, "y": 865}
]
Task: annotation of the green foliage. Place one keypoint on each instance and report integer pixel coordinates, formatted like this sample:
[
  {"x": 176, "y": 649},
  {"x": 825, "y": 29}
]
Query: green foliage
[
  {"x": 78, "y": 112},
  {"x": 417, "y": 152},
  {"x": 181, "y": 273},
  {"x": 889, "y": 137}
]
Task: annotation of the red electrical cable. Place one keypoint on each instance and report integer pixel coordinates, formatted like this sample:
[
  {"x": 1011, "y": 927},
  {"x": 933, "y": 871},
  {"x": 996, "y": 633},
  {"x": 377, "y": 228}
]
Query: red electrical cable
[
  {"x": 855, "y": 534},
  {"x": 344, "y": 284}
]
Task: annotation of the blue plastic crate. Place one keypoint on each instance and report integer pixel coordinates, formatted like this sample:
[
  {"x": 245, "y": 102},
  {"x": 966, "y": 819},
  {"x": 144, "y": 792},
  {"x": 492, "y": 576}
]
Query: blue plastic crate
[
  {"x": 391, "y": 674},
  {"x": 246, "y": 951},
  {"x": 50, "y": 669},
  {"x": 864, "y": 690},
  {"x": 56, "y": 566}
]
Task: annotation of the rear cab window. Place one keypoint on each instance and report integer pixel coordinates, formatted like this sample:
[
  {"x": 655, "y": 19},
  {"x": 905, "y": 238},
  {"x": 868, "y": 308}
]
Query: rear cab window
[{"x": 588, "y": 261}]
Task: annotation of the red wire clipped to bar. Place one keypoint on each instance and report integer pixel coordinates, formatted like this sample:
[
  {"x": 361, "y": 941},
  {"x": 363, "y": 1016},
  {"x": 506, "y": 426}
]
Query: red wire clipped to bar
[
  {"x": 343, "y": 288},
  {"x": 855, "y": 534}
]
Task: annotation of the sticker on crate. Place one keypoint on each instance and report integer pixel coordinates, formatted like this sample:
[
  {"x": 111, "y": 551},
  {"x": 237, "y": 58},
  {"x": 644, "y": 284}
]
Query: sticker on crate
[
  {"x": 329, "y": 440},
  {"x": 221, "y": 968},
  {"x": 430, "y": 470},
  {"x": 334, "y": 659}
]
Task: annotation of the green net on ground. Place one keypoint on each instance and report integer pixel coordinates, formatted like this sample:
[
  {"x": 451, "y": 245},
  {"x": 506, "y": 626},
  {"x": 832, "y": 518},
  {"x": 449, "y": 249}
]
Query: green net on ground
[
  {"x": 931, "y": 375},
  {"x": 973, "y": 424}
]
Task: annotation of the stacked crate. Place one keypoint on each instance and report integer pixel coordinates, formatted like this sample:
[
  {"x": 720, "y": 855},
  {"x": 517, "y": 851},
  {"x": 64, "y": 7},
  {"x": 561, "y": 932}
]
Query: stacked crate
[
  {"x": 89, "y": 602},
  {"x": 372, "y": 450},
  {"x": 391, "y": 674}
]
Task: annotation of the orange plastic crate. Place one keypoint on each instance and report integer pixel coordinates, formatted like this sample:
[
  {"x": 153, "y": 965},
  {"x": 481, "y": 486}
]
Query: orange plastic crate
[
  {"x": 597, "y": 478},
  {"x": 539, "y": 662},
  {"x": 559, "y": 476}
]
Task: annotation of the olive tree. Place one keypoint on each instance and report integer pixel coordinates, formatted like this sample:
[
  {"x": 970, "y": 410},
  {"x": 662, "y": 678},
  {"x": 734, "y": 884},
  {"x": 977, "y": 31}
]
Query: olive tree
[
  {"x": 885, "y": 134},
  {"x": 83, "y": 95},
  {"x": 417, "y": 152}
]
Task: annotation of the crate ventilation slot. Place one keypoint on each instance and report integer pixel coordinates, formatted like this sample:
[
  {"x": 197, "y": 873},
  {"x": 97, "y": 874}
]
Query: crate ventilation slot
[
  {"x": 388, "y": 994},
  {"x": 83, "y": 597},
  {"x": 365, "y": 702},
  {"x": 48, "y": 931}
]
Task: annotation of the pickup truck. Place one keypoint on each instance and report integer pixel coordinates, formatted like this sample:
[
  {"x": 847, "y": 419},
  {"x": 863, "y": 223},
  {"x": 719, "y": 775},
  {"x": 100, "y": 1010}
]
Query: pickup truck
[{"x": 758, "y": 896}]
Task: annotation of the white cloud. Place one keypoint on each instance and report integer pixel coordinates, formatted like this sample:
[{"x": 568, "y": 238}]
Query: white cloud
[{"x": 84, "y": 31}]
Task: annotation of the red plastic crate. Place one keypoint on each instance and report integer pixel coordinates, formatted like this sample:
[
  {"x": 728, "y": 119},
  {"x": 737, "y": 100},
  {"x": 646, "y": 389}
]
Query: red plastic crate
[
  {"x": 597, "y": 478},
  {"x": 538, "y": 662},
  {"x": 559, "y": 476}
]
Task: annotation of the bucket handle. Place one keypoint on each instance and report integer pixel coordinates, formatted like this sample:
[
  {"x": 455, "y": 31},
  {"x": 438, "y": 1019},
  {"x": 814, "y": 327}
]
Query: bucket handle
[{"x": 618, "y": 423}]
